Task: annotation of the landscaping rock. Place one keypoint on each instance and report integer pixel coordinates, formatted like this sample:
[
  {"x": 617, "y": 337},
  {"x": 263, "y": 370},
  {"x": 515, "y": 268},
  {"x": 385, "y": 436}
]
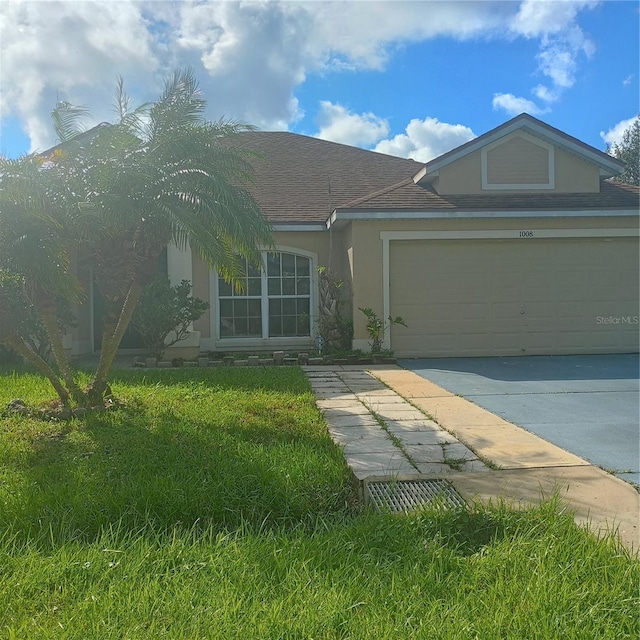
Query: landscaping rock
[
  {"x": 215, "y": 363},
  {"x": 228, "y": 361},
  {"x": 289, "y": 361},
  {"x": 203, "y": 362},
  {"x": 316, "y": 361},
  {"x": 18, "y": 407},
  {"x": 253, "y": 361},
  {"x": 278, "y": 357},
  {"x": 151, "y": 362},
  {"x": 164, "y": 364},
  {"x": 303, "y": 358},
  {"x": 266, "y": 362}
]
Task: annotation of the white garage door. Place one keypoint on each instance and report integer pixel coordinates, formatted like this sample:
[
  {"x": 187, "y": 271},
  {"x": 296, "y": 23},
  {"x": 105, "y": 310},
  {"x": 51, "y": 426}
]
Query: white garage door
[{"x": 504, "y": 297}]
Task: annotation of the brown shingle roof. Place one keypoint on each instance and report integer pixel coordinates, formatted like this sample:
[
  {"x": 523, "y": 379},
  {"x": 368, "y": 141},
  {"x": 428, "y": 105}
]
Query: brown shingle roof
[
  {"x": 408, "y": 196},
  {"x": 300, "y": 180}
]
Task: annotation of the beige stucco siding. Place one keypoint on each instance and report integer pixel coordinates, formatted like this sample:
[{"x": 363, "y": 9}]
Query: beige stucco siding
[
  {"x": 369, "y": 275},
  {"x": 479, "y": 297},
  {"x": 461, "y": 176},
  {"x": 341, "y": 264},
  {"x": 574, "y": 175},
  {"x": 201, "y": 289}
]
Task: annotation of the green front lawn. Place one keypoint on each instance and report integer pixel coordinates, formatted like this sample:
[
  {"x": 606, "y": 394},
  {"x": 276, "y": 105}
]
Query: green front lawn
[{"x": 214, "y": 505}]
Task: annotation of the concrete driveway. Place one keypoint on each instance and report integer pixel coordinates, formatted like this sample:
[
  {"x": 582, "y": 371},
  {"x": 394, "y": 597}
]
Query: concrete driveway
[{"x": 588, "y": 405}]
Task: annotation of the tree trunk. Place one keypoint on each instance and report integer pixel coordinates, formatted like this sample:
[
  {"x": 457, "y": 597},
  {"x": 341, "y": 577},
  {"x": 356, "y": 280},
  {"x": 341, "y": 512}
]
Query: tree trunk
[
  {"x": 49, "y": 316},
  {"x": 23, "y": 349},
  {"x": 111, "y": 338}
]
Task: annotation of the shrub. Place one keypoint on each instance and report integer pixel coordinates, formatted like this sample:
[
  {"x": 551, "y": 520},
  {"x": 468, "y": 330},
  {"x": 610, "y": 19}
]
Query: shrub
[{"x": 164, "y": 310}]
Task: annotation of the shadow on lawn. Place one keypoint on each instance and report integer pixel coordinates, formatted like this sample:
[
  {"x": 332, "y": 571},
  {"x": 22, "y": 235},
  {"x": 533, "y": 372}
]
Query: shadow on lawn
[
  {"x": 163, "y": 463},
  {"x": 154, "y": 468}
]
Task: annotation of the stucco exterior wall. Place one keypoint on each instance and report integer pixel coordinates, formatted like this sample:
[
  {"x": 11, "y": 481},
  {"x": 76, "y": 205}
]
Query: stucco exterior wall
[
  {"x": 462, "y": 176},
  {"x": 201, "y": 287},
  {"x": 367, "y": 251},
  {"x": 574, "y": 175}
]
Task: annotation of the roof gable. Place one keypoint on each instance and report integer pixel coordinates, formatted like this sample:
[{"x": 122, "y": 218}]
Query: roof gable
[{"x": 530, "y": 126}]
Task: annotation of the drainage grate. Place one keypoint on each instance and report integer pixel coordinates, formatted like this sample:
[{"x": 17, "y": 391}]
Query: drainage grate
[{"x": 405, "y": 495}]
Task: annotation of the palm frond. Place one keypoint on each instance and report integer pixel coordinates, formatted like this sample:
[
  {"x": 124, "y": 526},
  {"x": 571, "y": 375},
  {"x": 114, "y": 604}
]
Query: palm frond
[
  {"x": 131, "y": 120},
  {"x": 66, "y": 120},
  {"x": 180, "y": 107}
]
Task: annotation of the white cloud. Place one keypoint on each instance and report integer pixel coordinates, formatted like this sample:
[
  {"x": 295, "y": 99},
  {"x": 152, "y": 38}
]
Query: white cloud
[
  {"x": 339, "y": 125},
  {"x": 545, "y": 94},
  {"x": 71, "y": 48},
  {"x": 558, "y": 56},
  {"x": 614, "y": 135},
  {"x": 514, "y": 105},
  {"x": 537, "y": 17},
  {"x": 249, "y": 56},
  {"x": 628, "y": 80},
  {"x": 426, "y": 139},
  {"x": 562, "y": 43}
]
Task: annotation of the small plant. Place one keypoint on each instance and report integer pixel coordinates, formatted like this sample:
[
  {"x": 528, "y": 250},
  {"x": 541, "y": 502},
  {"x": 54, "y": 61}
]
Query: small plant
[
  {"x": 163, "y": 310},
  {"x": 376, "y": 327},
  {"x": 336, "y": 329}
]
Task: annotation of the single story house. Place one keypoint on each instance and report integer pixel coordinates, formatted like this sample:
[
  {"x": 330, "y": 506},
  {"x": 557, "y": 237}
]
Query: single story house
[{"x": 513, "y": 243}]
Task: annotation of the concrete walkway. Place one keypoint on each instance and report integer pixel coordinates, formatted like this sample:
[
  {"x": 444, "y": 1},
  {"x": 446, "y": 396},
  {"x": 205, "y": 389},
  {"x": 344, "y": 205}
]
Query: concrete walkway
[{"x": 393, "y": 423}]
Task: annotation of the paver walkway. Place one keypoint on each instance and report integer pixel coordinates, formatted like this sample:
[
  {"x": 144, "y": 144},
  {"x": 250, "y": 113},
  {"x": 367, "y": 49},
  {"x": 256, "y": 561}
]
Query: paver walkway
[
  {"x": 381, "y": 433},
  {"x": 392, "y": 423}
]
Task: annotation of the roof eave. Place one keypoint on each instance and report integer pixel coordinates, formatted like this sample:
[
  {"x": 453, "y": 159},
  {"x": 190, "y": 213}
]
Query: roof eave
[{"x": 340, "y": 217}]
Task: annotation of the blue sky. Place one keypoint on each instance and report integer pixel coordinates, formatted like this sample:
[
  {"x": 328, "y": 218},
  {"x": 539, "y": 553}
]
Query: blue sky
[{"x": 413, "y": 79}]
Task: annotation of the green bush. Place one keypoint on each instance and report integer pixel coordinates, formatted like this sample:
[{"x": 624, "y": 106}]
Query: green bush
[{"x": 164, "y": 309}]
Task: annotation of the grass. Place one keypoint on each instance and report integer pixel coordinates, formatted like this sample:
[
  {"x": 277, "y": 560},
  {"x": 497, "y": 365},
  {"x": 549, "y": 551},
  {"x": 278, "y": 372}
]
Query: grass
[{"x": 214, "y": 505}]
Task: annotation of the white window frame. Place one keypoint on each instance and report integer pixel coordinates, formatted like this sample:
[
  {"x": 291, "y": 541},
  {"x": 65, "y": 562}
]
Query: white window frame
[{"x": 265, "y": 340}]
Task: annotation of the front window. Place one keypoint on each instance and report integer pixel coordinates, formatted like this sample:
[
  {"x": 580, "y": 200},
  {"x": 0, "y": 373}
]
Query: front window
[{"x": 272, "y": 303}]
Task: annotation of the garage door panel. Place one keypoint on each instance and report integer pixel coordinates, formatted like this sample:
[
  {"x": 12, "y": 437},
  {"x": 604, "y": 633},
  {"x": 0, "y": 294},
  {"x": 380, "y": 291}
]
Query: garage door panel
[
  {"x": 505, "y": 297},
  {"x": 505, "y": 311},
  {"x": 541, "y": 311},
  {"x": 478, "y": 311}
]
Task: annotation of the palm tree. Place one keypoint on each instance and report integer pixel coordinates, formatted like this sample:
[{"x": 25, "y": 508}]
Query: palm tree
[
  {"x": 162, "y": 173},
  {"x": 35, "y": 277}
]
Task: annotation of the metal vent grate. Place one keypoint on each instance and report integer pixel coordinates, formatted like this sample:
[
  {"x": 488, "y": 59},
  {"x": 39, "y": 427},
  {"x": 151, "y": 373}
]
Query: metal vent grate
[{"x": 406, "y": 495}]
